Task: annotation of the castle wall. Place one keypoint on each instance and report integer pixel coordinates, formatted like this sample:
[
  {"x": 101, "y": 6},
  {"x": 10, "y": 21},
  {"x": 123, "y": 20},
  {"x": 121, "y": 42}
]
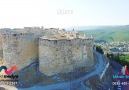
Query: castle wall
[
  {"x": 19, "y": 49},
  {"x": 2, "y": 31},
  {"x": 54, "y": 54},
  {"x": 1, "y": 42},
  {"x": 37, "y": 31},
  {"x": 1, "y": 47},
  {"x": 58, "y": 56}
]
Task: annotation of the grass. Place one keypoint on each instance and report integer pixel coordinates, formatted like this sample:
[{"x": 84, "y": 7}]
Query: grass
[
  {"x": 126, "y": 58},
  {"x": 109, "y": 34}
]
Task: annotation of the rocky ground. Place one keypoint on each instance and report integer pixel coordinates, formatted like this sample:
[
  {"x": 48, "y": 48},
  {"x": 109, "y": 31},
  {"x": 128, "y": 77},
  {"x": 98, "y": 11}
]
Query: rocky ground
[
  {"x": 94, "y": 83},
  {"x": 31, "y": 76}
]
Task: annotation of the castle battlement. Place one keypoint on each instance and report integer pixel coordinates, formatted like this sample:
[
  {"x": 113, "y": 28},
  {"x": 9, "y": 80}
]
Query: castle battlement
[{"x": 56, "y": 50}]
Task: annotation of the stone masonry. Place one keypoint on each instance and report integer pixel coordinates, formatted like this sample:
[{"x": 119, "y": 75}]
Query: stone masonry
[{"x": 57, "y": 51}]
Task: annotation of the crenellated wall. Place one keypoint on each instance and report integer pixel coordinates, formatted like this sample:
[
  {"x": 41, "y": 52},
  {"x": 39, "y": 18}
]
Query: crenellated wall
[
  {"x": 56, "y": 56},
  {"x": 19, "y": 50}
]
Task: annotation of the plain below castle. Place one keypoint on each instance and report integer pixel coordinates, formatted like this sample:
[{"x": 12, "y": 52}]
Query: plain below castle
[{"x": 56, "y": 51}]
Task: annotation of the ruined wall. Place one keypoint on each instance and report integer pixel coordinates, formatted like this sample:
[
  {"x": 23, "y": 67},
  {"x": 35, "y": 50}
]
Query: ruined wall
[
  {"x": 58, "y": 56},
  {"x": 19, "y": 50}
]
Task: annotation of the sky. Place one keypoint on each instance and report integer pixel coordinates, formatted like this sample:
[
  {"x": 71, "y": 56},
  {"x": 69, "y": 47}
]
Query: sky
[{"x": 63, "y": 13}]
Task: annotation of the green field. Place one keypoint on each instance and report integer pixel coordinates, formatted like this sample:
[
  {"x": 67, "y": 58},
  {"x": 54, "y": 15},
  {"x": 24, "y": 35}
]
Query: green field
[
  {"x": 126, "y": 58},
  {"x": 109, "y": 34}
]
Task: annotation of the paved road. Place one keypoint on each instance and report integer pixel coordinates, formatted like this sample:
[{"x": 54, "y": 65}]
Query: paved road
[{"x": 68, "y": 85}]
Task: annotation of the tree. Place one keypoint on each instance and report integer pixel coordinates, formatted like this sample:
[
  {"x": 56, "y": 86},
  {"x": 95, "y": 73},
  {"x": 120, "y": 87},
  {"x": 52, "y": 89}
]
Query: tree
[
  {"x": 112, "y": 56},
  {"x": 108, "y": 55},
  {"x": 99, "y": 49}
]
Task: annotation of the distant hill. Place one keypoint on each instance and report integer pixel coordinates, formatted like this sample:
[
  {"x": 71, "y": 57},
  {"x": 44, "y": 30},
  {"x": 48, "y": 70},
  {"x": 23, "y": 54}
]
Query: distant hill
[
  {"x": 80, "y": 28},
  {"x": 109, "y": 33}
]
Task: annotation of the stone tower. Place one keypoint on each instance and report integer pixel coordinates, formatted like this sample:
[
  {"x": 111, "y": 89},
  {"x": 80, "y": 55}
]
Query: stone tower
[
  {"x": 19, "y": 49},
  {"x": 63, "y": 55}
]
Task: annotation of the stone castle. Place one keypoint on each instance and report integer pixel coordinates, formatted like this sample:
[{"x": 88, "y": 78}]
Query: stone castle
[{"x": 56, "y": 51}]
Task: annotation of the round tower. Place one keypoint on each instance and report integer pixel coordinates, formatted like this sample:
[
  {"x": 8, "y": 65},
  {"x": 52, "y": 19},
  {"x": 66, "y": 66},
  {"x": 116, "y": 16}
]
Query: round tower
[{"x": 19, "y": 50}]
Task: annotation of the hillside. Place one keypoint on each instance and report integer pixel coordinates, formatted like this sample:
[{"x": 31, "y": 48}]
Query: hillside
[{"x": 109, "y": 34}]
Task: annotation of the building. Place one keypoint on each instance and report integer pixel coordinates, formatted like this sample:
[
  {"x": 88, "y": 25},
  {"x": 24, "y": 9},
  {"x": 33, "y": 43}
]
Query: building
[{"x": 57, "y": 51}]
